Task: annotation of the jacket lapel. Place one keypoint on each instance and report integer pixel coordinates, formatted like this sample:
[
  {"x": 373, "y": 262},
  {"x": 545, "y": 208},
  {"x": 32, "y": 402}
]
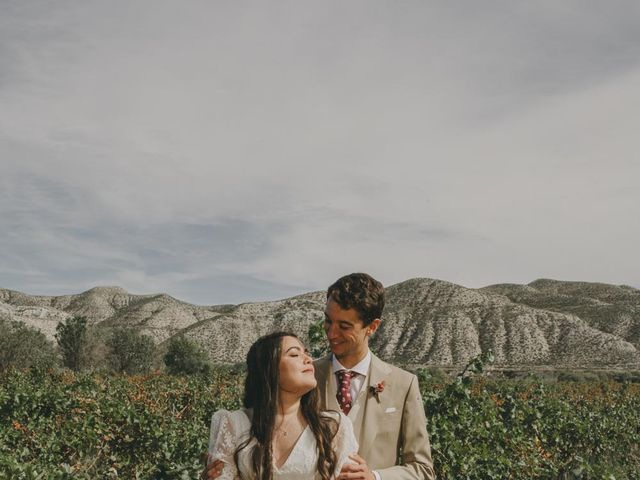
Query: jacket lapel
[
  {"x": 373, "y": 410},
  {"x": 332, "y": 389},
  {"x": 326, "y": 384},
  {"x": 370, "y": 411}
]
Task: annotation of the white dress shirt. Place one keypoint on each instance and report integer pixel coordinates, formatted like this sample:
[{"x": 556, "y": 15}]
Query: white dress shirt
[{"x": 357, "y": 381}]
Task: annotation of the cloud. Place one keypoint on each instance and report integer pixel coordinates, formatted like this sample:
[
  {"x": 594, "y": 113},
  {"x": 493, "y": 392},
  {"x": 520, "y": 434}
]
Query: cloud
[{"x": 229, "y": 150}]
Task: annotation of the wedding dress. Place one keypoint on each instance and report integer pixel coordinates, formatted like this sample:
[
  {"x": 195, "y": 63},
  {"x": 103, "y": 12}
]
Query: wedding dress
[{"x": 230, "y": 429}]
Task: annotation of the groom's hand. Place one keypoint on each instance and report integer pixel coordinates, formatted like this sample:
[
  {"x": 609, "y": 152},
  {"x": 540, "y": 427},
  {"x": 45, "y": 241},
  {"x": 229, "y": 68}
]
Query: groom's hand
[
  {"x": 358, "y": 470},
  {"x": 212, "y": 470}
]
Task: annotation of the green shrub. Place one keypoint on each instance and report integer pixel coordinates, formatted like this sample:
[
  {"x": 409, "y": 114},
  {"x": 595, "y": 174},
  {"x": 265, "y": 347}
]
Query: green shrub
[
  {"x": 61, "y": 424},
  {"x": 72, "y": 339},
  {"x": 184, "y": 356},
  {"x": 22, "y": 346},
  {"x": 130, "y": 351},
  {"x": 428, "y": 375},
  {"x": 318, "y": 345}
]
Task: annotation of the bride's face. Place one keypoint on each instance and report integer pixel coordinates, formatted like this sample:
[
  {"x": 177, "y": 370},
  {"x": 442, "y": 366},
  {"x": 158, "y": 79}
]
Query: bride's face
[{"x": 296, "y": 368}]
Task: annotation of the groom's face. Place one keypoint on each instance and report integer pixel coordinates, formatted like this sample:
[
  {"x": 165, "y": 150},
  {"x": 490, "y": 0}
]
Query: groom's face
[{"x": 347, "y": 335}]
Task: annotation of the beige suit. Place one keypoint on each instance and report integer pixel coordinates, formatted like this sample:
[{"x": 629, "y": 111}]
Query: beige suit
[{"x": 386, "y": 425}]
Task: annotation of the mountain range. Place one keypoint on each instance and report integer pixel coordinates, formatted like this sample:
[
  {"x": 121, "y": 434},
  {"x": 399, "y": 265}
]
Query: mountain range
[{"x": 546, "y": 323}]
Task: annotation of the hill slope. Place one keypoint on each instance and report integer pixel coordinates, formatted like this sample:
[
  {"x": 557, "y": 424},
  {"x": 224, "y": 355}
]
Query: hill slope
[{"x": 547, "y": 322}]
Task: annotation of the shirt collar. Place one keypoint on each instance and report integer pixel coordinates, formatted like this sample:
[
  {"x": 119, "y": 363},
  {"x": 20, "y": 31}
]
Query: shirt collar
[{"x": 361, "y": 368}]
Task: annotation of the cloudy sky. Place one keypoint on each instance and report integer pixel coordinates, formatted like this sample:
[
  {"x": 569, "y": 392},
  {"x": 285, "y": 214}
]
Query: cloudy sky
[{"x": 229, "y": 151}]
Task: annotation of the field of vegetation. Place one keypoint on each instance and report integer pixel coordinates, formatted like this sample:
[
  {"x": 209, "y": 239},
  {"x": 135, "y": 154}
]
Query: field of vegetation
[{"x": 57, "y": 424}]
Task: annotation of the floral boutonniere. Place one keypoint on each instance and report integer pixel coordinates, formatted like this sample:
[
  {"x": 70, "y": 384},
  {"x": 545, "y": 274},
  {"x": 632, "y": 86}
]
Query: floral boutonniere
[{"x": 377, "y": 389}]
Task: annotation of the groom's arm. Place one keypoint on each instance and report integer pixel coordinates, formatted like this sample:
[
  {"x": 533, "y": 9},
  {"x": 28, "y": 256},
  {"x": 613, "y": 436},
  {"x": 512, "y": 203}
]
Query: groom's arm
[
  {"x": 212, "y": 469},
  {"x": 416, "y": 449}
]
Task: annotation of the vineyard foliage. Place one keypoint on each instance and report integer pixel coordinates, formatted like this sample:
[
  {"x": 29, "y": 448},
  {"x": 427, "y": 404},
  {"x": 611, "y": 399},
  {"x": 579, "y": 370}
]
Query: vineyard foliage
[{"x": 57, "y": 424}]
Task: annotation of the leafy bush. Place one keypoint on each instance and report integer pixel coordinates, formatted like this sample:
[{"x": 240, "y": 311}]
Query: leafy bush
[
  {"x": 72, "y": 339},
  {"x": 23, "y": 347},
  {"x": 432, "y": 375},
  {"x": 98, "y": 355},
  {"x": 184, "y": 356},
  {"x": 318, "y": 345},
  {"x": 483, "y": 429},
  {"x": 130, "y": 351},
  {"x": 61, "y": 424}
]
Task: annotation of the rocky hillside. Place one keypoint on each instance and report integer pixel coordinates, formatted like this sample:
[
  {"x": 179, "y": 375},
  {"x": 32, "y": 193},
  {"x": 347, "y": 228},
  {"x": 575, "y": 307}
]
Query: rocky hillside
[
  {"x": 160, "y": 316},
  {"x": 546, "y": 323},
  {"x": 430, "y": 321},
  {"x": 608, "y": 308}
]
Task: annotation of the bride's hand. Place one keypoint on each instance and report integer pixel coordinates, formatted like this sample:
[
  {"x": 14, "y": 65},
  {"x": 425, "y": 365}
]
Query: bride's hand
[{"x": 358, "y": 470}]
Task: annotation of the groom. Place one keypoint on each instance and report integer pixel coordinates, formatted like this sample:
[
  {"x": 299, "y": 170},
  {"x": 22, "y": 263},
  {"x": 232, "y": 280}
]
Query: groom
[{"x": 381, "y": 400}]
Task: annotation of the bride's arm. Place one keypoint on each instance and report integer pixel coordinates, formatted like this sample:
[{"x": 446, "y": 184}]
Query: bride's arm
[
  {"x": 344, "y": 443},
  {"x": 223, "y": 441}
]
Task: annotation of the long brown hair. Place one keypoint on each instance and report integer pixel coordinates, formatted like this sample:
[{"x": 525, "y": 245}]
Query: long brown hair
[{"x": 261, "y": 395}]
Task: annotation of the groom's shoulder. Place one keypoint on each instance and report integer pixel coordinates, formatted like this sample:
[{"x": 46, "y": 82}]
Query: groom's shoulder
[{"x": 399, "y": 375}]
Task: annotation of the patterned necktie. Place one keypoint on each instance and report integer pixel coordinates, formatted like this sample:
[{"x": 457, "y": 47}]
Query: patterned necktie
[{"x": 344, "y": 390}]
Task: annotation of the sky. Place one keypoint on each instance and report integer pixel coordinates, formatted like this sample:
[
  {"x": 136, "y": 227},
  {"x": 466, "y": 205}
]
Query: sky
[{"x": 234, "y": 151}]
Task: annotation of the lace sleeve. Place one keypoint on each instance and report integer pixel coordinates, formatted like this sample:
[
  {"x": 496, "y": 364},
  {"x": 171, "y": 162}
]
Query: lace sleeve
[
  {"x": 223, "y": 441},
  {"x": 344, "y": 443}
]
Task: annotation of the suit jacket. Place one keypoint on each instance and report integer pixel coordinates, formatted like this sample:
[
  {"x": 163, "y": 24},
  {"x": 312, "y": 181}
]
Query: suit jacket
[{"x": 389, "y": 425}]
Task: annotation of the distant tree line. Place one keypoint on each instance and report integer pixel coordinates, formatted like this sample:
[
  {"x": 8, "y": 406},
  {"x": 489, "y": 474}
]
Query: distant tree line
[{"x": 80, "y": 347}]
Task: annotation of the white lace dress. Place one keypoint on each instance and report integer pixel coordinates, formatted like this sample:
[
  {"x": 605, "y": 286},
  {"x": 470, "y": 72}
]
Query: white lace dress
[{"x": 230, "y": 429}]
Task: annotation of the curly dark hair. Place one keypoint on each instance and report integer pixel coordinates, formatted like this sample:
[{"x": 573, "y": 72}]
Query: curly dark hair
[
  {"x": 361, "y": 292},
  {"x": 260, "y": 394}
]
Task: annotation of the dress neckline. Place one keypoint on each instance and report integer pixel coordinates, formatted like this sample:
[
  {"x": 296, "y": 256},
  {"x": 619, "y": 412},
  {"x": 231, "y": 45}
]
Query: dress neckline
[{"x": 293, "y": 450}]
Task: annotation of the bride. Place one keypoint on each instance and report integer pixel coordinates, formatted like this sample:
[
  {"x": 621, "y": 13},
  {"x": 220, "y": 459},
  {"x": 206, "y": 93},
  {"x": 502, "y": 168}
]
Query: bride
[{"x": 280, "y": 433}]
